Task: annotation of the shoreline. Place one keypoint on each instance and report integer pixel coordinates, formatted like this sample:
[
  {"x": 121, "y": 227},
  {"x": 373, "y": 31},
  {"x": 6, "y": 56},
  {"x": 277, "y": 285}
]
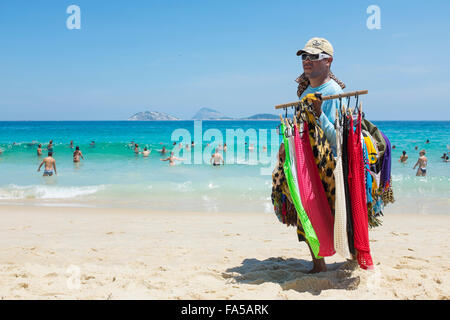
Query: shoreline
[{"x": 142, "y": 254}]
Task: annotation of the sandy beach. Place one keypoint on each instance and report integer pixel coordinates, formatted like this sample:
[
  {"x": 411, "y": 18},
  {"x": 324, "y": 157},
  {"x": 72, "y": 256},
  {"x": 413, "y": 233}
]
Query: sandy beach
[{"x": 83, "y": 253}]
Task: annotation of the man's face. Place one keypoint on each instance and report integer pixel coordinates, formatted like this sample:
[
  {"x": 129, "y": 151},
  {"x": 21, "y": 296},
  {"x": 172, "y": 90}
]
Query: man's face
[{"x": 314, "y": 69}]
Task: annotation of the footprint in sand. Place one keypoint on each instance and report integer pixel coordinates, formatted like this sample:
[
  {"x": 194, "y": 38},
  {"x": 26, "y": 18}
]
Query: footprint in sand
[
  {"x": 416, "y": 258},
  {"x": 23, "y": 285},
  {"x": 51, "y": 275},
  {"x": 21, "y": 275}
]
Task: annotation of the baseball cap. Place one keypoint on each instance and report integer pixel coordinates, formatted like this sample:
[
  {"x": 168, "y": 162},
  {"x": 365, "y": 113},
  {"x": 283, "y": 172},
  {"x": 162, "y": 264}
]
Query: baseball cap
[{"x": 317, "y": 45}]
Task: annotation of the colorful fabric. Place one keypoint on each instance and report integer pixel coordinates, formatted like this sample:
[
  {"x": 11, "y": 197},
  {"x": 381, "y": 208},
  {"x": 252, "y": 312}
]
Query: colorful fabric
[
  {"x": 358, "y": 198},
  {"x": 313, "y": 196},
  {"x": 310, "y": 234},
  {"x": 340, "y": 216},
  {"x": 322, "y": 153},
  {"x": 368, "y": 177},
  {"x": 371, "y": 151},
  {"x": 386, "y": 166},
  {"x": 375, "y": 133},
  {"x": 345, "y": 169}
]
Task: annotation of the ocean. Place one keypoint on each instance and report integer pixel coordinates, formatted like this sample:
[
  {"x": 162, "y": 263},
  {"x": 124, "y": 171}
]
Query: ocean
[{"x": 112, "y": 175}]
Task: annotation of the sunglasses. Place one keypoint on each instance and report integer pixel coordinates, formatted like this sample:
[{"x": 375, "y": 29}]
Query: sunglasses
[{"x": 315, "y": 57}]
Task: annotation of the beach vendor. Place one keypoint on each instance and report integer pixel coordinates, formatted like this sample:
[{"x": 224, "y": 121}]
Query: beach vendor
[{"x": 316, "y": 59}]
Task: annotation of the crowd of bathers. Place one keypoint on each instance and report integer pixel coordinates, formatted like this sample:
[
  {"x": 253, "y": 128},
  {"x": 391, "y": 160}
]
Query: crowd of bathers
[
  {"x": 422, "y": 161},
  {"x": 216, "y": 158}
]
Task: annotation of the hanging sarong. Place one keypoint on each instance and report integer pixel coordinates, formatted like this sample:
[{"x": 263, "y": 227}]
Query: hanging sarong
[
  {"x": 340, "y": 216},
  {"x": 310, "y": 234},
  {"x": 348, "y": 196},
  {"x": 386, "y": 166},
  {"x": 358, "y": 198},
  {"x": 313, "y": 196}
]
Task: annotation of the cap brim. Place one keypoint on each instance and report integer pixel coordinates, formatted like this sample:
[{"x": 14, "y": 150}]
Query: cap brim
[{"x": 309, "y": 50}]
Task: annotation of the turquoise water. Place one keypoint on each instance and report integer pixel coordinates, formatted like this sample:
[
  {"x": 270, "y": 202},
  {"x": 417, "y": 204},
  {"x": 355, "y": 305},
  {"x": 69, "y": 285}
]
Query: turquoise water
[{"x": 112, "y": 175}]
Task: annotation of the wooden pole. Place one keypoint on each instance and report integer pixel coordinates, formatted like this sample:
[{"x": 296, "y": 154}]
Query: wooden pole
[{"x": 324, "y": 98}]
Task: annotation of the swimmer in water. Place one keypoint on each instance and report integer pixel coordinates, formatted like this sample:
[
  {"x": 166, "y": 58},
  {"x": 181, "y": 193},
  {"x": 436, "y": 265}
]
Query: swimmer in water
[
  {"x": 163, "y": 151},
  {"x": 403, "y": 157},
  {"x": 146, "y": 152},
  {"x": 422, "y": 163},
  {"x": 39, "y": 150},
  {"x": 50, "y": 165},
  {"x": 50, "y": 146},
  {"x": 216, "y": 158},
  {"x": 172, "y": 159},
  {"x": 77, "y": 154},
  {"x": 136, "y": 148}
]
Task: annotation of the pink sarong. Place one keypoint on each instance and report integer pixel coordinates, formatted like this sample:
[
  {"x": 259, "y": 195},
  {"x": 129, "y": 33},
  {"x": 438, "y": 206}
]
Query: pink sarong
[{"x": 314, "y": 199}]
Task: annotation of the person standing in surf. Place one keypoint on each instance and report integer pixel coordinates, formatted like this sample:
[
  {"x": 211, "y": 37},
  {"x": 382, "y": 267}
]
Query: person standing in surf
[
  {"x": 77, "y": 154},
  {"x": 422, "y": 163},
  {"x": 50, "y": 165}
]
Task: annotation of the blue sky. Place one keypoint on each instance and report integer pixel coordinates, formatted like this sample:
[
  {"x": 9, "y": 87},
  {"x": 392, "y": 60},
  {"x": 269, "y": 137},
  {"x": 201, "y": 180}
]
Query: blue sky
[{"x": 234, "y": 56}]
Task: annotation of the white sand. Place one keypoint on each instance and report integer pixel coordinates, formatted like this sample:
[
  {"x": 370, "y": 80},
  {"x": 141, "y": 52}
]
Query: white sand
[{"x": 124, "y": 254}]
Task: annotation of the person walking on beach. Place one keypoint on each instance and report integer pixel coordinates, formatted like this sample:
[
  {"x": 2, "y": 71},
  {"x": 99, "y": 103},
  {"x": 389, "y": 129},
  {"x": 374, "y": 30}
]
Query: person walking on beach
[
  {"x": 316, "y": 58},
  {"x": 422, "y": 163},
  {"x": 403, "y": 157},
  {"x": 39, "y": 150},
  {"x": 172, "y": 159},
  {"x": 216, "y": 158},
  {"x": 77, "y": 154},
  {"x": 50, "y": 165}
]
